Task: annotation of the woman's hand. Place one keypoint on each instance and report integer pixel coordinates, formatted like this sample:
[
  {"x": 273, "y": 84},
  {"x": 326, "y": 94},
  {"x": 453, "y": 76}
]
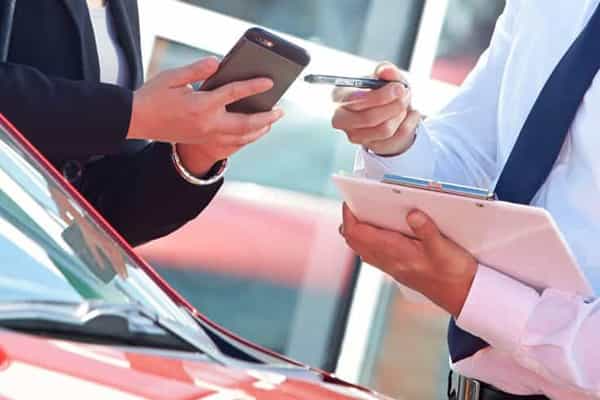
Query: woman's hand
[
  {"x": 167, "y": 109},
  {"x": 199, "y": 158}
]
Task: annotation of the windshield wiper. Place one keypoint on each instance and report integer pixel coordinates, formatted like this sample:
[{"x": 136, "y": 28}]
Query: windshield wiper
[{"x": 101, "y": 322}]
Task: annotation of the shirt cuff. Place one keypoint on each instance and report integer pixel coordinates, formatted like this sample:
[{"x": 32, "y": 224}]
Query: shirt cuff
[
  {"x": 416, "y": 161},
  {"x": 497, "y": 309}
]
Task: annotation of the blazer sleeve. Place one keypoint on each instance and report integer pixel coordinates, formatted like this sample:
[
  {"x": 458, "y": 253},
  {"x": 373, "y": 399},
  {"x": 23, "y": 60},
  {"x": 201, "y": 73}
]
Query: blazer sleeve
[
  {"x": 65, "y": 119},
  {"x": 142, "y": 195}
]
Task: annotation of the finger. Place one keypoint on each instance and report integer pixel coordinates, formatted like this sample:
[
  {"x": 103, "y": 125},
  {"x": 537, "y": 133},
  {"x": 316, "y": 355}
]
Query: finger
[
  {"x": 237, "y": 141},
  {"x": 235, "y": 123},
  {"x": 358, "y": 235},
  {"x": 423, "y": 227},
  {"x": 402, "y": 134},
  {"x": 378, "y": 134},
  {"x": 367, "y": 239},
  {"x": 341, "y": 94},
  {"x": 345, "y": 119},
  {"x": 198, "y": 71},
  {"x": 349, "y": 219},
  {"x": 389, "y": 72},
  {"x": 235, "y": 91},
  {"x": 364, "y": 100}
]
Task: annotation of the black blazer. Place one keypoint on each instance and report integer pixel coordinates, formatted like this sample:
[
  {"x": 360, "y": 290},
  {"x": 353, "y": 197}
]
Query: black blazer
[{"x": 50, "y": 90}]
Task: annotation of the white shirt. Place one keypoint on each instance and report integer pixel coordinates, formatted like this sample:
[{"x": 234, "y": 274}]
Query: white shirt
[
  {"x": 545, "y": 343},
  {"x": 113, "y": 64}
]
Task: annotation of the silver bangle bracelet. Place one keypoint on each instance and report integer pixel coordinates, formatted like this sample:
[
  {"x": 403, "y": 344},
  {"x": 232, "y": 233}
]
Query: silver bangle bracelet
[{"x": 191, "y": 178}]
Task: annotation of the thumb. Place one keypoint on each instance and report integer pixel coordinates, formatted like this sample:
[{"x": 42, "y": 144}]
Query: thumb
[
  {"x": 423, "y": 227},
  {"x": 349, "y": 220},
  {"x": 389, "y": 72},
  {"x": 198, "y": 71}
]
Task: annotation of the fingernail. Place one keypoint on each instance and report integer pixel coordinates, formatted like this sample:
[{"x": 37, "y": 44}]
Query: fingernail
[
  {"x": 416, "y": 219},
  {"x": 383, "y": 66},
  {"x": 277, "y": 114},
  {"x": 268, "y": 82}
]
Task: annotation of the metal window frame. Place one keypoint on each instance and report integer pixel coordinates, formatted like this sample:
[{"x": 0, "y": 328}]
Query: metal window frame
[{"x": 428, "y": 38}]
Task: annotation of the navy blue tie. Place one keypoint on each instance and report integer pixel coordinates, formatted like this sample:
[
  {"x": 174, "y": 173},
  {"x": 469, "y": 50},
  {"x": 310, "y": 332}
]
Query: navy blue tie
[{"x": 540, "y": 142}]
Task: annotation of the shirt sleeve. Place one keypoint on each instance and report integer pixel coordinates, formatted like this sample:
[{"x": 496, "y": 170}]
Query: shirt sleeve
[
  {"x": 554, "y": 334},
  {"x": 463, "y": 136}
]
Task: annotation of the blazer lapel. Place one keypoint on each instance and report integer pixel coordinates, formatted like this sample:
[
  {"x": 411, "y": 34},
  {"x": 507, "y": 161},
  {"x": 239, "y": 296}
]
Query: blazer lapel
[
  {"x": 89, "y": 53},
  {"x": 125, "y": 15}
]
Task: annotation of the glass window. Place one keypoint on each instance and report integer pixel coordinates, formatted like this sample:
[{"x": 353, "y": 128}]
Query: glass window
[
  {"x": 466, "y": 34},
  {"x": 265, "y": 259},
  {"x": 53, "y": 252},
  {"x": 323, "y": 21},
  {"x": 377, "y": 29}
]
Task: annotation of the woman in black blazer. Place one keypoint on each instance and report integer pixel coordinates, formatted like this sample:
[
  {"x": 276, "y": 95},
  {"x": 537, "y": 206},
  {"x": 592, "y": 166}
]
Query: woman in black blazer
[{"x": 50, "y": 89}]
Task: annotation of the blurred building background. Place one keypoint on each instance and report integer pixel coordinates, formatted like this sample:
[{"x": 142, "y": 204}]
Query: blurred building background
[{"x": 265, "y": 260}]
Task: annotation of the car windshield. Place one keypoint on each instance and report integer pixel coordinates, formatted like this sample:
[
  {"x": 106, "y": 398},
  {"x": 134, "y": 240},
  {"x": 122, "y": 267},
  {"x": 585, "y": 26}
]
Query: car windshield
[{"x": 51, "y": 250}]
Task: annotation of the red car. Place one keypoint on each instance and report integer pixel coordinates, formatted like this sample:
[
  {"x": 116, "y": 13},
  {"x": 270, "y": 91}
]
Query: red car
[{"x": 82, "y": 316}]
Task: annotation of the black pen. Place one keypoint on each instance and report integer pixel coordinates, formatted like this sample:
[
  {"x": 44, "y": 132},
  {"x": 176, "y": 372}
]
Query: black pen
[{"x": 342, "y": 81}]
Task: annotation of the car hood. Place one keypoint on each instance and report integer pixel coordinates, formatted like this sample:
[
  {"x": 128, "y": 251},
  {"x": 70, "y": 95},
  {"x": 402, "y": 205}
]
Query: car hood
[{"x": 35, "y": 367}]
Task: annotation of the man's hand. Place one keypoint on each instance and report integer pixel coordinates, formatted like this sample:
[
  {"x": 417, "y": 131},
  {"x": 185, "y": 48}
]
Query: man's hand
[
  {"x": 381, "y": 120},
  {"x": 167, "y": 109},
  {"x": 430, "y": 264}
]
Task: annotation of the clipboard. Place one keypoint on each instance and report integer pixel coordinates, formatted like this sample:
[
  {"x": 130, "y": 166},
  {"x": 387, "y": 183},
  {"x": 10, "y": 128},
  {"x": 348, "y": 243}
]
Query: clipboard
[{"x": 521, "y": 241}]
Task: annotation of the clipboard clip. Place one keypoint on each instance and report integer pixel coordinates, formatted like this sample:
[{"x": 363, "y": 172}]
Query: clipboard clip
[{"x": 442, "y": 187}]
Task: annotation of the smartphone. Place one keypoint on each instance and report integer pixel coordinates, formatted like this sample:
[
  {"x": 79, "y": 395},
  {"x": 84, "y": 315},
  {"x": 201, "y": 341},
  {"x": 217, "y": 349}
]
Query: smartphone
[
  {"x": 260, "y": 54},
  {"x": 443, "y": 187},
  {"x": 344, "y": 81}
]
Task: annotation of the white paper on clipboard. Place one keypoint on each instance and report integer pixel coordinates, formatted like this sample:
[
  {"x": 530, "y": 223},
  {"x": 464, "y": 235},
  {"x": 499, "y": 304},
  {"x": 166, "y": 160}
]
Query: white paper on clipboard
[{"x": 520, "y": 241}]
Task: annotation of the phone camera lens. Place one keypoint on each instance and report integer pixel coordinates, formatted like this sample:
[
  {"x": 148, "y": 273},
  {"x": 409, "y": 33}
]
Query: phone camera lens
[{"x": 266, "y": 42}]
